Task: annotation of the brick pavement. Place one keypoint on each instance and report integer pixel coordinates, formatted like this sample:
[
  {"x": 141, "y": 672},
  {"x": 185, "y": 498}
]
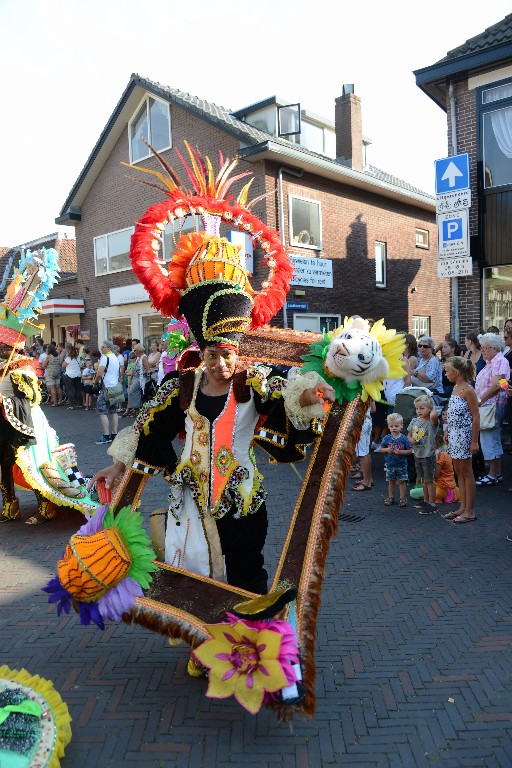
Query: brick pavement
[{"x": 414, "y": 644}]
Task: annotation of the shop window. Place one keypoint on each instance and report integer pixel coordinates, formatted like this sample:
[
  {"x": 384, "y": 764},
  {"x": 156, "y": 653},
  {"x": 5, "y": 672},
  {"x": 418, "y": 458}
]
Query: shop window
[
  {"x": 420, "y": 325},
  {"x": 153, "y": 327},
  {"x": 112, "y": 252},
  {"x": 151, "y": 123},
  {"x": 305, "y": 222},
  {"x": 119, "y": 329},
  {"x": 496, "y": 139},
  {"x": 422, "y": 238},
  {"x": 380, "y": 265},
  {"x": 497, "y": 293}
]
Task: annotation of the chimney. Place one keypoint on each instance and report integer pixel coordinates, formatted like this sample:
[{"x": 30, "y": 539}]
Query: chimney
[{"x": 349, "y": 129}]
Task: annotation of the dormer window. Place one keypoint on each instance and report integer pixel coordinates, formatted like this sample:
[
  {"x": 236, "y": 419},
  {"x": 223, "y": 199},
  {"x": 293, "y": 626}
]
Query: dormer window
[{"x": 152, "y": 122}]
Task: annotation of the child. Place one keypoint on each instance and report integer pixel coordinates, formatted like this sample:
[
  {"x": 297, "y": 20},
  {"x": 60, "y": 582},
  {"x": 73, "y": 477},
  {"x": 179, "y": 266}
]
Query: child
[
  {"x": 87, "y": 382},
  {"x": 446, "y": 487},
  {"x": 422, "y": 435},
  {"x": 444, "y": 419},
  {"x": 364, "y": 477},
  {"x": 396, "y": 448}
]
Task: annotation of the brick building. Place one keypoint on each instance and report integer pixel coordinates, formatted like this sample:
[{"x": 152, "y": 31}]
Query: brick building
[
  {"x": 363, "y": 241},
  {"x": 473, "y": 84}
]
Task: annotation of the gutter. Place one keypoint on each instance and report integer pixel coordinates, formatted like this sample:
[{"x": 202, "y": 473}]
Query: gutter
[{"x": 317, "y": 164}]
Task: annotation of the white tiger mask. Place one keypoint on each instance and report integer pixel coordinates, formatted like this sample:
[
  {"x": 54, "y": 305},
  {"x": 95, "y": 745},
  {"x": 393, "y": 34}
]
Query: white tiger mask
[{"x": 355, "y": 355}]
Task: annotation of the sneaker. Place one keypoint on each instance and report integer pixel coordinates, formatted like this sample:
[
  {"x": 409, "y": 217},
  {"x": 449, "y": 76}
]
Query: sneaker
[
  {"x": 428, "y": 509},
  {"x": 499, "y": 478},
  {"x": 420, "y": 504},
  {"x": 113, "y": 437},
  {"x": 104, "y": 439},
  {"x": 374, "y": 446}
]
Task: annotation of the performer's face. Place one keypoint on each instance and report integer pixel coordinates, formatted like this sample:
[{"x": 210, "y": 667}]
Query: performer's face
[{"x": 220, "y": 362}]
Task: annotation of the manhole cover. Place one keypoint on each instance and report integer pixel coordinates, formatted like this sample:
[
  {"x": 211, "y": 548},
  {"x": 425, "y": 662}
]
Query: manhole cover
[{"x": 350, "y": 518}]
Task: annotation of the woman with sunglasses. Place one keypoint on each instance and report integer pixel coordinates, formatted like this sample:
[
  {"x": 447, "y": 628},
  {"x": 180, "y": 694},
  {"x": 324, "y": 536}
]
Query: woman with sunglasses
[{"x": 429, "y": 371}]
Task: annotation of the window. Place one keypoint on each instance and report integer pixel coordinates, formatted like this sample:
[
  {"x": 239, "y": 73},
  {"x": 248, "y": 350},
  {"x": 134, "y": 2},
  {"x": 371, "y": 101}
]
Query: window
[
  {"x": 173, "y": 233},
  {"x": 497, "y": 295},
  {"x": 112, "y": 252},
  {"x": 153, "y": 328},
  {"x": 151, "y": 122},
  {"x": 420, "y": 325},
  {"x": 422, "y": 238},
  {"x": 380, "y": 265},
  {"x": 119, "y": 329},
  {"x": 315, "y": 323},
  {"x": 496, "y": 137},
  {"x": 305, "y": 222},
  {"x": 288, "y": 120}
]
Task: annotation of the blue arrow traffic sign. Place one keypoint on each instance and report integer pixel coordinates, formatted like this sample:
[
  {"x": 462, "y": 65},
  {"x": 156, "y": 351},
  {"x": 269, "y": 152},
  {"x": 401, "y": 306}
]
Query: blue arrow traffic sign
[{"x": 452, "y": 173}]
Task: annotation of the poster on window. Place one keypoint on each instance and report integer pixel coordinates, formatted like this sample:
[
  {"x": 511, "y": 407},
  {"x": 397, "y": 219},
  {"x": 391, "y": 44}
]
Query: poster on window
[{"x": 312, "y": 273}]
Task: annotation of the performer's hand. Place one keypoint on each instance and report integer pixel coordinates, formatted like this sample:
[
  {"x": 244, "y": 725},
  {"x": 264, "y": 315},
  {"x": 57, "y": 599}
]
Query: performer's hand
[
  {"x": 109, "y": 475},
  {"x": 318, "y": 394}
]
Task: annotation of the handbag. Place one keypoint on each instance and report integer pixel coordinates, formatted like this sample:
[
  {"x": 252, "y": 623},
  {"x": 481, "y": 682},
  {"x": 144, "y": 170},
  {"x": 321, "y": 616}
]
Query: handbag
[
  {"x": 115, "y": 394},
  {"x": 487, "y": 416}
]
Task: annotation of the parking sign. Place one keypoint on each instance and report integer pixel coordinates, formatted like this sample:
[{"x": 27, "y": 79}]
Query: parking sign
[{"x": 453, "y": 234}]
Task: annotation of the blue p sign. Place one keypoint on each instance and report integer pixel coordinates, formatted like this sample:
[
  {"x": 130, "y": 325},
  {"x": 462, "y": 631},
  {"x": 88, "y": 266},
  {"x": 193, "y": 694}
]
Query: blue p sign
[{"x": 452, "y": 230}]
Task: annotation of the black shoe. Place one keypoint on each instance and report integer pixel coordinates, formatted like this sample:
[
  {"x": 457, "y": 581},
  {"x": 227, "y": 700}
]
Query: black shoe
[
  {"x": 113, "y": 436},
  {"x": 420, "y": 504},
  {"x": 104, "y": 439},
  {"x": 428, "y": 509}
]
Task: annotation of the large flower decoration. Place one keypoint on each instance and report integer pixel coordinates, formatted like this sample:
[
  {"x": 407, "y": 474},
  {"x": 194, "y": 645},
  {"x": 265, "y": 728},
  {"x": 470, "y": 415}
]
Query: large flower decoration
[{"x": 250, "y": 660}]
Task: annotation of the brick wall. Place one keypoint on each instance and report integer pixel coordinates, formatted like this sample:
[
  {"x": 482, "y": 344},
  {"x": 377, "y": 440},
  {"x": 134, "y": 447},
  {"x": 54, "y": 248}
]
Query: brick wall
[{"x": 352, "y": 221}]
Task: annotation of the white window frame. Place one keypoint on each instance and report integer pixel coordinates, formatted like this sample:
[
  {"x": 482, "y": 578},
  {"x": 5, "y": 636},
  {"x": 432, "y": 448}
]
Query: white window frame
[
  {"x": 420, "y": 325},
  {"x": 309, "y": 246},
  {"x": 146, "y": 99},
  {"x": 107, "y": 235},
  {"x": 381, "y": 257},
  {"x": 425, "y": 234}
]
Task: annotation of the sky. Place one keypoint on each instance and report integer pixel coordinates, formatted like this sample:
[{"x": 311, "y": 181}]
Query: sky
[{"x": 66, "y": 64}]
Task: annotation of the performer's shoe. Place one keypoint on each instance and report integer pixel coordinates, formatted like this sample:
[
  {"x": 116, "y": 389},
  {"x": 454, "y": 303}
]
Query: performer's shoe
[
  {"x": 195, "y": 668},
  {"x": 11, "y": 511},
  {"x": 45, "y": 512}
]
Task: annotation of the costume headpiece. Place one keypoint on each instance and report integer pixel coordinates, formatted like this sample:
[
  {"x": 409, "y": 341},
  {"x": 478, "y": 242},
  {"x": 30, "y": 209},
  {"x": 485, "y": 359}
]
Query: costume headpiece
[
  {"x": 207, "y": 280},
  {"x": 33, "y": 278}
]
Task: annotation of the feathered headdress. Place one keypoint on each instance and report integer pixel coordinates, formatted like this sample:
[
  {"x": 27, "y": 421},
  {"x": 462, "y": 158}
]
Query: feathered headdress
[
  {"x": 33, "y": 279},
  {"x": 207, "y": 280}
]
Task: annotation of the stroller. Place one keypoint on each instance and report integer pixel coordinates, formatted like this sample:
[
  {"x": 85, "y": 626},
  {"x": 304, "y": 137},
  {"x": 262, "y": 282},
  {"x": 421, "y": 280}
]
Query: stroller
[{"x": 404, "y": 403}]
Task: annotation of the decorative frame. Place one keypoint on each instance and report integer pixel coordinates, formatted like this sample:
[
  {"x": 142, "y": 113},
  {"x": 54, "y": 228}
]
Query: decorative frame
[{"x": 179, "y": 604}]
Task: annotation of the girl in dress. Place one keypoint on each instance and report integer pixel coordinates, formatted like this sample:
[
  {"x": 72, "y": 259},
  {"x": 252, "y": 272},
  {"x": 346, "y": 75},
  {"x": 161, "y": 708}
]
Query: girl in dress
[{"x": 463, "y": 430}]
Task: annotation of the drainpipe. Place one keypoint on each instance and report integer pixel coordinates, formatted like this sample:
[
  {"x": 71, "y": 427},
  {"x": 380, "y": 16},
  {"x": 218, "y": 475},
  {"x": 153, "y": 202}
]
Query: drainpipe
[
  {"x": 455, "y": 317},
  {"x": 298, "y": 175}
]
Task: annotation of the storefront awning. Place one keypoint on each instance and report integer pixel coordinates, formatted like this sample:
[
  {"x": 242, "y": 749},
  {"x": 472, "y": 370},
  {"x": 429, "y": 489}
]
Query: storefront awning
[{"x": 63, "y": 307}]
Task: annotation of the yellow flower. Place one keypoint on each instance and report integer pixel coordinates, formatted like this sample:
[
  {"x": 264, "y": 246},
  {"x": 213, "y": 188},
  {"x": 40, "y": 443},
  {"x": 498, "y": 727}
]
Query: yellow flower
[{"x": 243, "y": 663}]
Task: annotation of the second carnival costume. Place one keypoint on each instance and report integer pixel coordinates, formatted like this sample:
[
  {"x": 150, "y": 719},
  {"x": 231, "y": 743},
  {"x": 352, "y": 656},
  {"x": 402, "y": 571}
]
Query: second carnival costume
[
  {"x": 216, "y": 523},
  {"x": 30, "y": 454}
]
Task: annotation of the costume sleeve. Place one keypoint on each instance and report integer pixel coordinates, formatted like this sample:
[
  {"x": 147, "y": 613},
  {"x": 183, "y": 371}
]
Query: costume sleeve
[
  {"x": 279, "y": 434},
  {"x": 155, "y": 427}
]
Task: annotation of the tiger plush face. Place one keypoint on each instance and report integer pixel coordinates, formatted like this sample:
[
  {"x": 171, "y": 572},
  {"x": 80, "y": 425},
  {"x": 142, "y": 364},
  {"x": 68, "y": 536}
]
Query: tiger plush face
[{"x": 356, "y": 355}]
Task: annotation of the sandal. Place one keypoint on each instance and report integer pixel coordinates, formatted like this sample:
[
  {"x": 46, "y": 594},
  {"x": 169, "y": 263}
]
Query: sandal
[
  {"x": 487, "y": 480},
  {"x": 452, "y": 515},
  {"x": 460, "y": 519},
  {"x": 389, "y": 501},
  {"x": 402, "y": 503},
  {"x": 361, "y": 487}
]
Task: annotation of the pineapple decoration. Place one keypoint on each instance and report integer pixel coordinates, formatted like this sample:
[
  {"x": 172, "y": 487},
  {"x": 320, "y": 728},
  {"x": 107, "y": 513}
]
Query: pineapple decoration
[{"x": 207, "y": 280}]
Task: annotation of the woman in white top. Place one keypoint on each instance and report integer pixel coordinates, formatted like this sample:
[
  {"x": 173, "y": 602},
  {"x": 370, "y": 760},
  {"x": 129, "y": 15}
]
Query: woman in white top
[
  {"x": 72, "y": 377},
  {"x": 108, "y": 370}
]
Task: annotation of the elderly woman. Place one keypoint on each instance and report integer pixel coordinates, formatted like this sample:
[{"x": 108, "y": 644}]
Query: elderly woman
[
  {"x": 429, "y": 371},
  {"x": 489, "y": 394}
]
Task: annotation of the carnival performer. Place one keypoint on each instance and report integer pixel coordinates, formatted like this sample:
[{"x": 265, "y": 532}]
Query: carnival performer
[
  {"x": 217, "y": 519},
  {"x": 30, "y": 454}
]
